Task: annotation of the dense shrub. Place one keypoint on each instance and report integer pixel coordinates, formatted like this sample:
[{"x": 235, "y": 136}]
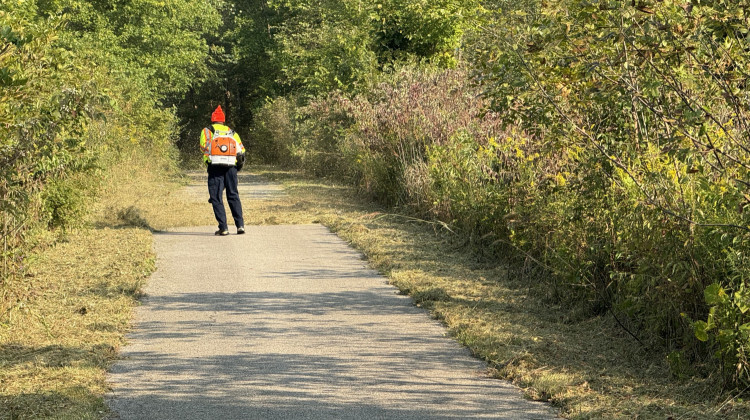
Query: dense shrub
[
  {"x": 400, "y": 121},
  {"x": 79, "y": 94},
  {"x": 637, "y": 233},
  {"x": 273, "y": 137},
  {"x": 649, "y": 102},
  {"x": 383, "y": 140},
  {"x": 42, "y": 122}
]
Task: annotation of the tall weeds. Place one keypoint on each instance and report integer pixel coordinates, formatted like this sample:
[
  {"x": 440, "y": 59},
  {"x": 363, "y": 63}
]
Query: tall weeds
[{"x": 428, "y": 142}]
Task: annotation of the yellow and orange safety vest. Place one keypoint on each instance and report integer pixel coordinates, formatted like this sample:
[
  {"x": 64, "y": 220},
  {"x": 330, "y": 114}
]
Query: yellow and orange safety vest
[{"x": 220, "y": 145}]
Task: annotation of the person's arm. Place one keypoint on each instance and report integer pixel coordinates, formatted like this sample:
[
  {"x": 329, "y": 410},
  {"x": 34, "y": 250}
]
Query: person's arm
[
  {"x": 241, "y": 147},
  {"x": 205, "y": 134}
]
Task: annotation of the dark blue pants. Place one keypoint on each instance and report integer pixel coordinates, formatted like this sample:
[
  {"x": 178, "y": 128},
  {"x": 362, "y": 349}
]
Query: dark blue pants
[{"x": 220, "y": 178}]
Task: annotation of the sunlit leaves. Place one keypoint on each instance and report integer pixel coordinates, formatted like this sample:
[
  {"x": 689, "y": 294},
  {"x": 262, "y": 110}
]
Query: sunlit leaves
[
  {"x": 654, "y": 94},
  {"x": 76, "y": 78},
  {"x": 342, "y": 44},
  {"x": 161, "y": 43}
]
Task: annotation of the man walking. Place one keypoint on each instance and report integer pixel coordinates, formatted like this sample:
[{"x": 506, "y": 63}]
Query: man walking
[{"x": 224, "y": 155}]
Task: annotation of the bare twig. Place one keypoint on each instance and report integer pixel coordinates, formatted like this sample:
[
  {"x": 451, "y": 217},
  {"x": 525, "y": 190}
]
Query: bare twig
[{"x": 732, "y": 398}]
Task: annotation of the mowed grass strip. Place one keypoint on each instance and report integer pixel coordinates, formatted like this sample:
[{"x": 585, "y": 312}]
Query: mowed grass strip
[
  {"x": 78, "y": 296},
  {"x": 587, "y": 366},
  {"x": 57, "y": 343},
  {"x": 55, "y": 347}
]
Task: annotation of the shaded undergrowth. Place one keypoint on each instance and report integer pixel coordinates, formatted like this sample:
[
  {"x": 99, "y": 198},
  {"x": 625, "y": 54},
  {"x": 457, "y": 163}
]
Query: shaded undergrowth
[{"x": 586, "y": 365}]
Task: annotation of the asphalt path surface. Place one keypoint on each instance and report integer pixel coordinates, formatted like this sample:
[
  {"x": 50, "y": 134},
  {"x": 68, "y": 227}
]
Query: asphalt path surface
[{"x": 288, "y": 322}]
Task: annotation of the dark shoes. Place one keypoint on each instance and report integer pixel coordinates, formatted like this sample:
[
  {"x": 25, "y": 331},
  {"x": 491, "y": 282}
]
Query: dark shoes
[{"x": 240, "y": 231}]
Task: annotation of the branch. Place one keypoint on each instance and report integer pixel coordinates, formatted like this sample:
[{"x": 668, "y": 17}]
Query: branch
[{"x": 617, "y": 162}]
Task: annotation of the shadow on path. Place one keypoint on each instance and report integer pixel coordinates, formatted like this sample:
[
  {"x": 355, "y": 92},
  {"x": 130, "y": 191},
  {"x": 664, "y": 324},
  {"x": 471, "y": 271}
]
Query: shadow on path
[{"x": 287, "y": 322}]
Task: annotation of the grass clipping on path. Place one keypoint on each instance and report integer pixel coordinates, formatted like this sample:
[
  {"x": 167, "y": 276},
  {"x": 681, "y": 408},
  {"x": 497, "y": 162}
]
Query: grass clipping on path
[
  {"x": 57, "y": 344},
  {"x": 586, "y": 366},
  {"x": 56, "y": 348}
]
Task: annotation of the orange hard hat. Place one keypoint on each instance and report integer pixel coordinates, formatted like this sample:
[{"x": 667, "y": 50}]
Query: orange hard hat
[{"x": 218, "y": 115}]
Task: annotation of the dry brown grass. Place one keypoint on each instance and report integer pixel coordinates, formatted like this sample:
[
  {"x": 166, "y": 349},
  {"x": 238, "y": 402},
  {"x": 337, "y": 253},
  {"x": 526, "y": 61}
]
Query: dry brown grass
[
  {"x": 54, "y": 351},
  {"x": 56, "y": 346},
  {"x": 77, "y": 299},
  {"x": 151, "y": 198},
  {"x": 589, "y": 367}
]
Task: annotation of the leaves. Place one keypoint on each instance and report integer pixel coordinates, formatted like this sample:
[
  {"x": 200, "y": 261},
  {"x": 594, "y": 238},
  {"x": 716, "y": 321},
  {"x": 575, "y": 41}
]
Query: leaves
[
  {"x": 160, "y": 44},
  {"x": 624, "y": 162},
  {"x": 715, "y": 295},
  {"x": 76, "y": 86},
  {"x": 701, "y": 330}
]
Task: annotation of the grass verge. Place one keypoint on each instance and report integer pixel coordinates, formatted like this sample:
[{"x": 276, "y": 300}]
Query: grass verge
[
  {"x": 56, "y": 347},
  {"x": 58, "y": 341},
  {"x": 587, "y": 366}
]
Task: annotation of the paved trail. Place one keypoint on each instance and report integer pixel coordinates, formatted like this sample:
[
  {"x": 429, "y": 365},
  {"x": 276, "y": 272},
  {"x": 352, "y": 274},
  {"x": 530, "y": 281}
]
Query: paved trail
[{"x": 287, "y": 322}]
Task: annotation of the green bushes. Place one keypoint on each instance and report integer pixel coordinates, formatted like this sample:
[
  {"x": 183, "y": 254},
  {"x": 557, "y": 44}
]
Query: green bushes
[
  {"x": 273, "y": 133},
  {"x": 64, "y": 204},
  {"x": 727, "y": 322},
  {"x": 650, "y": 98},
  {"x": 79, "y": 94},
  {"x": 638, "y": 232},
  {"x": 42, "y": 123}
]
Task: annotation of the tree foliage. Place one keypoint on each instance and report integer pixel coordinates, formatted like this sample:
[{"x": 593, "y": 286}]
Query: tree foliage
[
  {"x": 612, "y": 148},
  {"x": 328, "y": 45},
  {"x": 80, "y": 86},
  {"x": 156, "y": 42}
]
